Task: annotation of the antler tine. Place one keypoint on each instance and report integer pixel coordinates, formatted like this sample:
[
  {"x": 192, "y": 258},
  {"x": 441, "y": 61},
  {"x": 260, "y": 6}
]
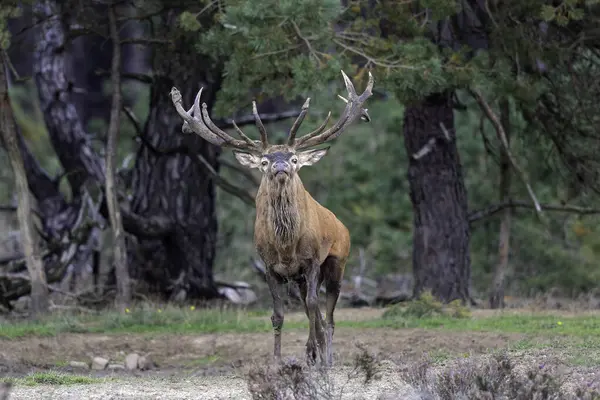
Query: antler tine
[
  {"x": 245, "y": 144},
  {"x": 317, "y": 131},
  {"x": 242, "y": 134},
  {"x": 206, "y": 129},
  {"x": 353, "y": 109},
  {"x": 364, "y": 112},
  {"x": 298, "y": 122},
  {"x": 260, "y": 126}
]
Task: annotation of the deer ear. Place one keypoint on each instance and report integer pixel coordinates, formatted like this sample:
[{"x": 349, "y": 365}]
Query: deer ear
[
  {"x": 310, "y": 157},
  {"x": 247, "y": 159}
]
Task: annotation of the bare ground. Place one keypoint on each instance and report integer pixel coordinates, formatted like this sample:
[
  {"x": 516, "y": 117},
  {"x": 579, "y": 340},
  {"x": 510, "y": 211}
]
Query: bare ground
[{"x": 214, "y": 366}]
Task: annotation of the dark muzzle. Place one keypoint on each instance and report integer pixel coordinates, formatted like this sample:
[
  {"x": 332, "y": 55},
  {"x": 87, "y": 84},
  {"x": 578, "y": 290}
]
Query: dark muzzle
[{"x": 280, "y": 167}]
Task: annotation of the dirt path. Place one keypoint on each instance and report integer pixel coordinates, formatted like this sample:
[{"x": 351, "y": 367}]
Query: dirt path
[
  {"x": 205, "y": 388},
  {"x": 239, "y": 350},
  {"x": 215, "y": 366}
]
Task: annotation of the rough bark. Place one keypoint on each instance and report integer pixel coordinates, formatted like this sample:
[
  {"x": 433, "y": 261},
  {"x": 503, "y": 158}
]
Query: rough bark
[
  {"x": 72, "y": 144},
  {"x": 65, "y": 128},
  {"x": 80, "y": 162},
  {"x": 497, "y": 290},
  {"x": 35, "y": 267},
  {"x": 441, "y": 259},
  {"x": 114, "y": 211},
  {"x": 68, "y": 241},
  {"x": 177, "y": 185}
]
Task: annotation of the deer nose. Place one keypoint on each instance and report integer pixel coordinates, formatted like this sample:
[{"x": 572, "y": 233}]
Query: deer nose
[{"x": 280, "y": 166}]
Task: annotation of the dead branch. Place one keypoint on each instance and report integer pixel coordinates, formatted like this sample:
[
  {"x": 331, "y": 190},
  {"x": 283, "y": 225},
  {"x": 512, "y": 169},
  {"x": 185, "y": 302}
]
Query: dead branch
[
  {"x": 35, "y": 267},
  {"x": 428, "y": 148},
  {"x": 86, "y": 310},
  {"x": 485, "y": 107},
  {"x": 127, "y": 75},
  {"x": 15, "y": 275},
  {"x": 144, "y": 41},
  {"x": 423, "y": 151},
  {"x": 11, "y": 258},
  {"x": 224, "y": 184},
  {"x": 493, "y": 209},
  {"x": 243, "y": 171},
  {"x": 265, "y": 118},
  {"x": 114, "y": 212},
  {"x": 134, "y": 120}
]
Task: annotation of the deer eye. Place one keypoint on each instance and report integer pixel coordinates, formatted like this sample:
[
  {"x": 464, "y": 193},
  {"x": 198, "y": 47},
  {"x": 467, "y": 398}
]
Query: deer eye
[
  {"x": 264, "y": 162},
  {"x": 294, "y": 160}
]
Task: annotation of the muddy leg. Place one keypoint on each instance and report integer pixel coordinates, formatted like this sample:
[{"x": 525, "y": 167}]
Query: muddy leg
[
  {"x": 314, "y": 318},
  {"x": 276, "y": 289},
  {"x": 333, "y": 270},
  {"x": 320, "y": 324}
]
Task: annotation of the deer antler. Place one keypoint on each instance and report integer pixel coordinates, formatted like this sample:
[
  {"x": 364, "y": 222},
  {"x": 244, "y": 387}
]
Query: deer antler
[
  {"x": 200, "y": 123},
  {"x": 353, "y": 109}
]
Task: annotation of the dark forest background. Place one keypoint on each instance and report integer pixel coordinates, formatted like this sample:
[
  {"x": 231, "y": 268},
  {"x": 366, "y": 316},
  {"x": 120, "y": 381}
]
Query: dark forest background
[{"x": 476, "y": 179}]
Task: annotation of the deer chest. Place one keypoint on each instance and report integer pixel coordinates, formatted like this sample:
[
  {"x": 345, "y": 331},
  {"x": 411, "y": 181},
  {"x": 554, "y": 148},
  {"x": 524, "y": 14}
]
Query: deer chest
[{"x": 284, "y": 262}]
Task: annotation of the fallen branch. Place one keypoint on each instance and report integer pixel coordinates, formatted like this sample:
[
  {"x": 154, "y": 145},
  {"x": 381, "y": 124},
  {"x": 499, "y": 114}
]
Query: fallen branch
[
  {"x": 493, "y": 209},
  {"x": 13, "y": 257},
  {"x": 485, "y": 107}
]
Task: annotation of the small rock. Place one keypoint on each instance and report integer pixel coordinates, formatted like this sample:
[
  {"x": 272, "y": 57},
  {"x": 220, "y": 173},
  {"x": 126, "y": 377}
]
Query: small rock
[
  {"x": 78, "y": 364},
  {"x": 99, "y": 363},
  {"x": 131, "y": 361},
  {"x": 145, "y": 362},
  {"x": 115, "y": 367}
]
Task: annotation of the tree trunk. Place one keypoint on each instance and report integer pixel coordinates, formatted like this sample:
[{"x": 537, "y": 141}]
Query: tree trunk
[
  {"x": 497, "y": 290},
  {"x": 37, "y": 275},
  {"x": 69, "y": 139},
  {"x": 441, "y": 259},
  {"x": 79, "y": 159},
  {"x": 65, "y": 128},
  {"x": 177, "y": 185},
  {"x": 114, "y": 211}
]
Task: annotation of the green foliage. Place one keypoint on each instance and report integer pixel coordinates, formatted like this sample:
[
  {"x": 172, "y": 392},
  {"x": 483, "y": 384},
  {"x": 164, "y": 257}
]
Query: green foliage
[
  {"x": 7, "y": 11},
  {"x": 289, "y": 48},
  {"x": 426, "y": 306}
]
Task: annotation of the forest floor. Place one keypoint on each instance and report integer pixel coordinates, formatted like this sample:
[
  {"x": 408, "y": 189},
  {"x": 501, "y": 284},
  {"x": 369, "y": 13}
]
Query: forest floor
[{"x": 201, "y": 354}]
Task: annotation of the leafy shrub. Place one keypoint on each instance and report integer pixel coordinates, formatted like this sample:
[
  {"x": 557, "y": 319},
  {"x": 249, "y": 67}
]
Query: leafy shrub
[
  {"x": 427, "y": 306},
  {"x": 494, "y": 378}
]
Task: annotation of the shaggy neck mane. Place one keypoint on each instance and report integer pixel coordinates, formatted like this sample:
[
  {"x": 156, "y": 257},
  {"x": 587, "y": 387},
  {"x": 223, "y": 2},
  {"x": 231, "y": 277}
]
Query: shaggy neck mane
[{"x": 283, "y": 210}]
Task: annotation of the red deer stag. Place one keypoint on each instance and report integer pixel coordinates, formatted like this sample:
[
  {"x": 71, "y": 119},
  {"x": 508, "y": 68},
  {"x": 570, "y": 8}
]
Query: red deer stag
[{"x": 296, "y": 237}]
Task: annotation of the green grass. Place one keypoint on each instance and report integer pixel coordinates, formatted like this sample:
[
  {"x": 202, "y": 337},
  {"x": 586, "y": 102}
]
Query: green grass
[
  {"x": 178, "y": 320},
  {"x": 580, "y": 326},
  {"x": 143, "y": 319},
  {"x": 54, "y": 378}
]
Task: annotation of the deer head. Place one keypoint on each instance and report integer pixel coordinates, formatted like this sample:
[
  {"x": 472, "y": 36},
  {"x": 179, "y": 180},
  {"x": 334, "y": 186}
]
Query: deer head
[{"x": 278, "y": 163}]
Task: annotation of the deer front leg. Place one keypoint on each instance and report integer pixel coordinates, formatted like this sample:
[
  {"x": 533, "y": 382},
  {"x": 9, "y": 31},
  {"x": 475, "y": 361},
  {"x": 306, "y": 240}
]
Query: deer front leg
[
  {"x": 314, "y": 346},
  {"x": 318, "y": 321},
  {"x": 276, "y": 289}
]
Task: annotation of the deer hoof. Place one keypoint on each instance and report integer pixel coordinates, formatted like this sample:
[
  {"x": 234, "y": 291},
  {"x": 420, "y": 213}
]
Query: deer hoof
[{"x": 311, "y": 352}]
